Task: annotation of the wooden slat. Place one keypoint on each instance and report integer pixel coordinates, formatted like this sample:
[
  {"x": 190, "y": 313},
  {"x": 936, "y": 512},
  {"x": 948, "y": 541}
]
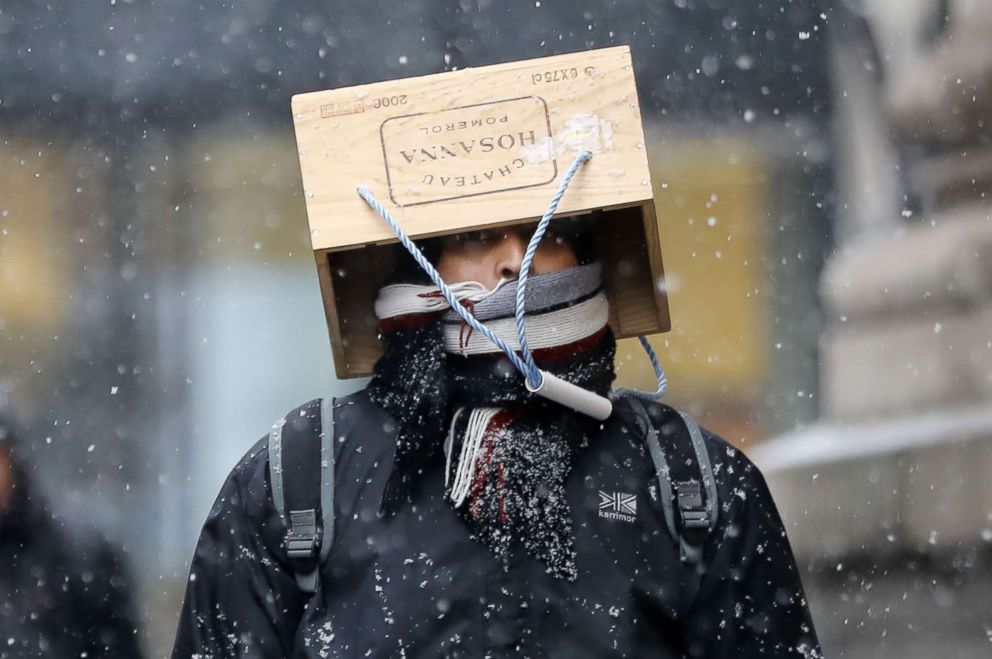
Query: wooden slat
[
  {"x": 631, "y": 272},
  {"x": 471, "y": 148}
]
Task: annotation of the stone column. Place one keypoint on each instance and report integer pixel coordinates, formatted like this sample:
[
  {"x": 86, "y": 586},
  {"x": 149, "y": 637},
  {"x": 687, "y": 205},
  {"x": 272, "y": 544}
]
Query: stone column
[{"x": 900, "y": 457}]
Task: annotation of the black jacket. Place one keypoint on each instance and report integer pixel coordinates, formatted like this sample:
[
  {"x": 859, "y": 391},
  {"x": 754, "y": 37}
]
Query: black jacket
[
  {"x": 417, "y": 585},
  {"x": 63, "y": 587}
]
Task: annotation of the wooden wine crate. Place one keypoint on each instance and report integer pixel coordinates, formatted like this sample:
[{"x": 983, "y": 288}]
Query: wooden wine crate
[{"x": 471, "y": 149}]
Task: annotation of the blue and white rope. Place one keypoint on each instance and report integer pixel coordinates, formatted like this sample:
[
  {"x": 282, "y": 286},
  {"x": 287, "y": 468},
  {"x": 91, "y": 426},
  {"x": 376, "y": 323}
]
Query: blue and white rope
[
  {"x": 524, "y": 362},
  {"x": 435, "y": 277},
  {"x": 533, "y": 374},
  {"x": 659, "y": 373}
]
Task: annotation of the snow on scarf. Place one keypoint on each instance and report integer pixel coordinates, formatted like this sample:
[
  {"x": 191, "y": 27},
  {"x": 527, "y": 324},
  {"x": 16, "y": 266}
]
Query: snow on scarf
[{"x": 458, "y": 399}]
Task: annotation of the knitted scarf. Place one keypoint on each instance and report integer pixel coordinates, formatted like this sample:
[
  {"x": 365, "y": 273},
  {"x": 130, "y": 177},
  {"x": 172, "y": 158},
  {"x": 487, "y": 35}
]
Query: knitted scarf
[{"x": 457, "y": 399}]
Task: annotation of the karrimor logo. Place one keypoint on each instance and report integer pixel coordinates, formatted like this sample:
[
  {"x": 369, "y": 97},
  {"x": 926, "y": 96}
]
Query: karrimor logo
[{"x": 618, "y": 505}]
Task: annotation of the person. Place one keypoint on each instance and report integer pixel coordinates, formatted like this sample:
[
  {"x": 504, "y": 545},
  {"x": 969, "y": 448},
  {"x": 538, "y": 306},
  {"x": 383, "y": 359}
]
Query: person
[
  {"x": 63, "y": 588},
  {"x": 474, "y": 519}
]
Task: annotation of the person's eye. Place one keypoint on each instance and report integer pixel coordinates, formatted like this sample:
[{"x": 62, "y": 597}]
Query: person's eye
[
  {"x": 467, "y": 238},
  {"x": 481, "y": 238}
]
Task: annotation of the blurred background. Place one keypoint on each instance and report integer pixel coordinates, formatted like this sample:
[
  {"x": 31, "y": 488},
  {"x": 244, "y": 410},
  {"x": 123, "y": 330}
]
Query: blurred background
[{"x": 822, "y": 171}]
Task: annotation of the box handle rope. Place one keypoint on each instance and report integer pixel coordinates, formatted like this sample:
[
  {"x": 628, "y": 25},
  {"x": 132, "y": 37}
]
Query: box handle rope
[{"x": 537, "y": 381}]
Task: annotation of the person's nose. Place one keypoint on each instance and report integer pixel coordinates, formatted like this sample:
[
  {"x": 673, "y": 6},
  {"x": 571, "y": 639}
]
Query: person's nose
[{"x": 509, "y": 256}]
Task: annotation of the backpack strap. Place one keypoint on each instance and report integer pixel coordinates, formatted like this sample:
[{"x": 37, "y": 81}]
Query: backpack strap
[
  {"x": 686, "y": 487},
  {"x": 695, "y": 489},
  {"x": 301, "y": 473}
]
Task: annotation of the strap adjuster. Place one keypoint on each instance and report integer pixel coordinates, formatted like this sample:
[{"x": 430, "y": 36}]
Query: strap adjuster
[
  {"x": 301, "y": 538},
  {"x": 691, "y": 508}
]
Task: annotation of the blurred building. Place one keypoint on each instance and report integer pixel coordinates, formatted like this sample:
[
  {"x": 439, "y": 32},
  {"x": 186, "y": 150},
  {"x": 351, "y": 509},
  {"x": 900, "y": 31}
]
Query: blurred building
[{"x": 892, "y": 481}]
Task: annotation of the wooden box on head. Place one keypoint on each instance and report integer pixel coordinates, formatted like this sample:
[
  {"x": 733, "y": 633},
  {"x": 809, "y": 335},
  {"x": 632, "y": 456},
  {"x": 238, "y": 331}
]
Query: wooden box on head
[{"x": 471, "y": 149}]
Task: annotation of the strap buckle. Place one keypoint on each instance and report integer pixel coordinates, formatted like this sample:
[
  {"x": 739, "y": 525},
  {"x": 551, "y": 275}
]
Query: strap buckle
[
  {"x": 691, "y": 508},
  {"x": 301, "y": 538}
]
